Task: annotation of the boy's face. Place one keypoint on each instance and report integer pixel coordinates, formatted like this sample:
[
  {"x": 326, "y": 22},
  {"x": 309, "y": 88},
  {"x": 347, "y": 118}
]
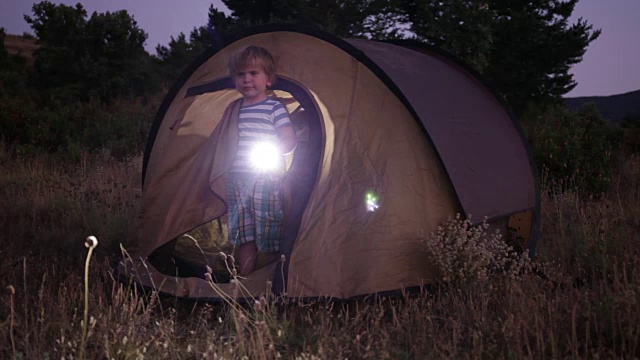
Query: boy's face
[{"x": 251, "y": 81}]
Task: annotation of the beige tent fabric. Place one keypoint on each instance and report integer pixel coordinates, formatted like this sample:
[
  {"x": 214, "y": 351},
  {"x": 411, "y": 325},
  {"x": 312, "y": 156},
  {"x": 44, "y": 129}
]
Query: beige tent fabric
[
  {"x": 192, "y": 191},
  {"x": 343, "y": 250},
  {"x": 476, "y": 139}
]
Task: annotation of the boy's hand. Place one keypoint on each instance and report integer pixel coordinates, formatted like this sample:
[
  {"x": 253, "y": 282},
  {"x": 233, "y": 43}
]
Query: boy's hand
[{"x": 288, "y": 139}]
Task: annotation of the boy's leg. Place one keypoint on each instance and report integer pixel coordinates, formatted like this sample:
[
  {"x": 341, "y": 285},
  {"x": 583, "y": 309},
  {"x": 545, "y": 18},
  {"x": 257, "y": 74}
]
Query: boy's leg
[
  {"x": 241, "y": 223},
  {"x": 268, "y": 205}
]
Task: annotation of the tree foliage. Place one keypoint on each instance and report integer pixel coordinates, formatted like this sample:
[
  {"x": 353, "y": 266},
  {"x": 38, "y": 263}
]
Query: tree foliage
[
  {"x": 72, "y": 98},
  {"x": 120, "y": 129},
  {"x": 461, "y": 27},
  {"x": 345, "y": 18},
  {"x": 13, "y": 72},
  {"x": 525, "y": 48},
  {"x": 181, "y": 51},
  {"x": 79, "y": 58}
]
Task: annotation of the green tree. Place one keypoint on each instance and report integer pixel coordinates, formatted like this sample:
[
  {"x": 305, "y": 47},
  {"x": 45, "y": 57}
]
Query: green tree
[
  {"x": 524, "y": 48},
  {"x": 220, "y": 25},
  {"x": 180, "y": 51},
  {"x": 84, "y": 71},
  {"x": 13, "y": 71},
  {"x": 81, "y": 58},
  {"x": 345, "y": 18},
  {"x": 461, "y": 27},
  {"x": 175, "y": 56},
  {"x": 117, "y": 64}
]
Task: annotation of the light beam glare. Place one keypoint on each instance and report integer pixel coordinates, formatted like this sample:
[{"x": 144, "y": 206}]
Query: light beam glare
[{"x": 264, "y": 156}]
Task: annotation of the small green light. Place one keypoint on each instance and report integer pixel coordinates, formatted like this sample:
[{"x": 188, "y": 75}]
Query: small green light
[{"x": 371, "y": 201}]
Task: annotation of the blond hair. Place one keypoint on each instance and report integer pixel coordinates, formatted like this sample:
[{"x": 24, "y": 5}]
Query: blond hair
[{"x": 253, "y": 56}]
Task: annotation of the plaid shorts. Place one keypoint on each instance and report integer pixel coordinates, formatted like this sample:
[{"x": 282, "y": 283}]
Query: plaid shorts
[{"x": 255, "y": 211}]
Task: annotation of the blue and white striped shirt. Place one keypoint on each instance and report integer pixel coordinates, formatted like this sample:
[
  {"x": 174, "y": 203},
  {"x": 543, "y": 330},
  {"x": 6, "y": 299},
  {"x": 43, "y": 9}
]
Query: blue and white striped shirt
[{"x": 257, "y": 124}]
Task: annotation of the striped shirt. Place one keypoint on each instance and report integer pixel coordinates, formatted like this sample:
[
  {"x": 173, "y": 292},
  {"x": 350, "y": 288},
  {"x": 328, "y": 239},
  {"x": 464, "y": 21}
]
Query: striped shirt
[{"x": 257, "y": 124}]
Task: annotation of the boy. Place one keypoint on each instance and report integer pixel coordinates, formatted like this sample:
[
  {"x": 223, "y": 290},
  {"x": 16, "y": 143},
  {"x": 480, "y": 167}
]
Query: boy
[{"x": 254, "y": 181}]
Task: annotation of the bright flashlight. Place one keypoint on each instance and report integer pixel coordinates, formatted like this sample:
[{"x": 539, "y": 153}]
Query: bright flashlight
[
  {"x": 264, "y": 156},
  {"x": 371, "y": 200}
]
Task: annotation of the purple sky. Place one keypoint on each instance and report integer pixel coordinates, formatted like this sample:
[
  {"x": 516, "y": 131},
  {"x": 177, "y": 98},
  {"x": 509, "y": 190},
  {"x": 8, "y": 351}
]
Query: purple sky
[{"x": 610, "y": 66}]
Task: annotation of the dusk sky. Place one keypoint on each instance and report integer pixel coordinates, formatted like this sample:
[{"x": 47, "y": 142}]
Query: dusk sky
[{"x": 610, "y": 66}]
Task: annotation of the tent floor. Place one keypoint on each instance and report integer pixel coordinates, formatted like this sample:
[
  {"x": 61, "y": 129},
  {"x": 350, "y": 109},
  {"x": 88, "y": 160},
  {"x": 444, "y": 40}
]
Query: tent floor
[{"x": 183, "y": 268}]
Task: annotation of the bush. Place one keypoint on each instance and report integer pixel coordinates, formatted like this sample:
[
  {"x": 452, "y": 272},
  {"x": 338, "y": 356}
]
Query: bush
[
  {"x": 464, "y": 254},
  {"x": 576, "y": 150},
  {"x": 13, "y": 70},
  {"x": 631, "y": 127},
  {"x": 32, "y": 125}
]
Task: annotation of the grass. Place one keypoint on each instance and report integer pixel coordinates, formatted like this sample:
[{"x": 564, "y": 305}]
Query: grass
[{"x": 590, "y": 248}]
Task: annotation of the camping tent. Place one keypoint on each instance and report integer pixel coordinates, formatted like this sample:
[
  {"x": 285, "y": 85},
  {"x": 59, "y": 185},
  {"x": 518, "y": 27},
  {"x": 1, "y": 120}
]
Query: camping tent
[{"x": 394, "y": 140}]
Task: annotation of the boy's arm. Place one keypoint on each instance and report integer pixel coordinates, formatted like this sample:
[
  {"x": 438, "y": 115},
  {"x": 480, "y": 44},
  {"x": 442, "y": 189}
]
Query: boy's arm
[{"x": 288, "y": 139}]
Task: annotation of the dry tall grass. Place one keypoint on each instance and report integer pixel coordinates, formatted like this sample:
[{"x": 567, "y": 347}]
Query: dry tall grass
[{"x": 589, "y": 248}]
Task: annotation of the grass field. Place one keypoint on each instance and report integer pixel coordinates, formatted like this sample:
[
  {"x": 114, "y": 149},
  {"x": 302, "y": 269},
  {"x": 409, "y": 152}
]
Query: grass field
[{"x": 588, "y": 308}]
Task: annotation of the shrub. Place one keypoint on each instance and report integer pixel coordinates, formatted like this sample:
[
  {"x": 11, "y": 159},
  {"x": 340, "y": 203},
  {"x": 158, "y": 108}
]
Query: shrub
[
  {"x": 575, "y": 150},
  {"x": 13, "y": 70},
  {"x": 32, "y": 125},
  {"x": 631, "y": 127},
  {"x": 463, "y": 253}
]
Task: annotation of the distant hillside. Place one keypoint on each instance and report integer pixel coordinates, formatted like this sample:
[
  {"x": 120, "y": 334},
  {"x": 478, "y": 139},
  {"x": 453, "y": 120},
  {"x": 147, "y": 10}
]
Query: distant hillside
[
  {"x": 17, "y": 45},
  {"x": 613, "y": 107}
]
